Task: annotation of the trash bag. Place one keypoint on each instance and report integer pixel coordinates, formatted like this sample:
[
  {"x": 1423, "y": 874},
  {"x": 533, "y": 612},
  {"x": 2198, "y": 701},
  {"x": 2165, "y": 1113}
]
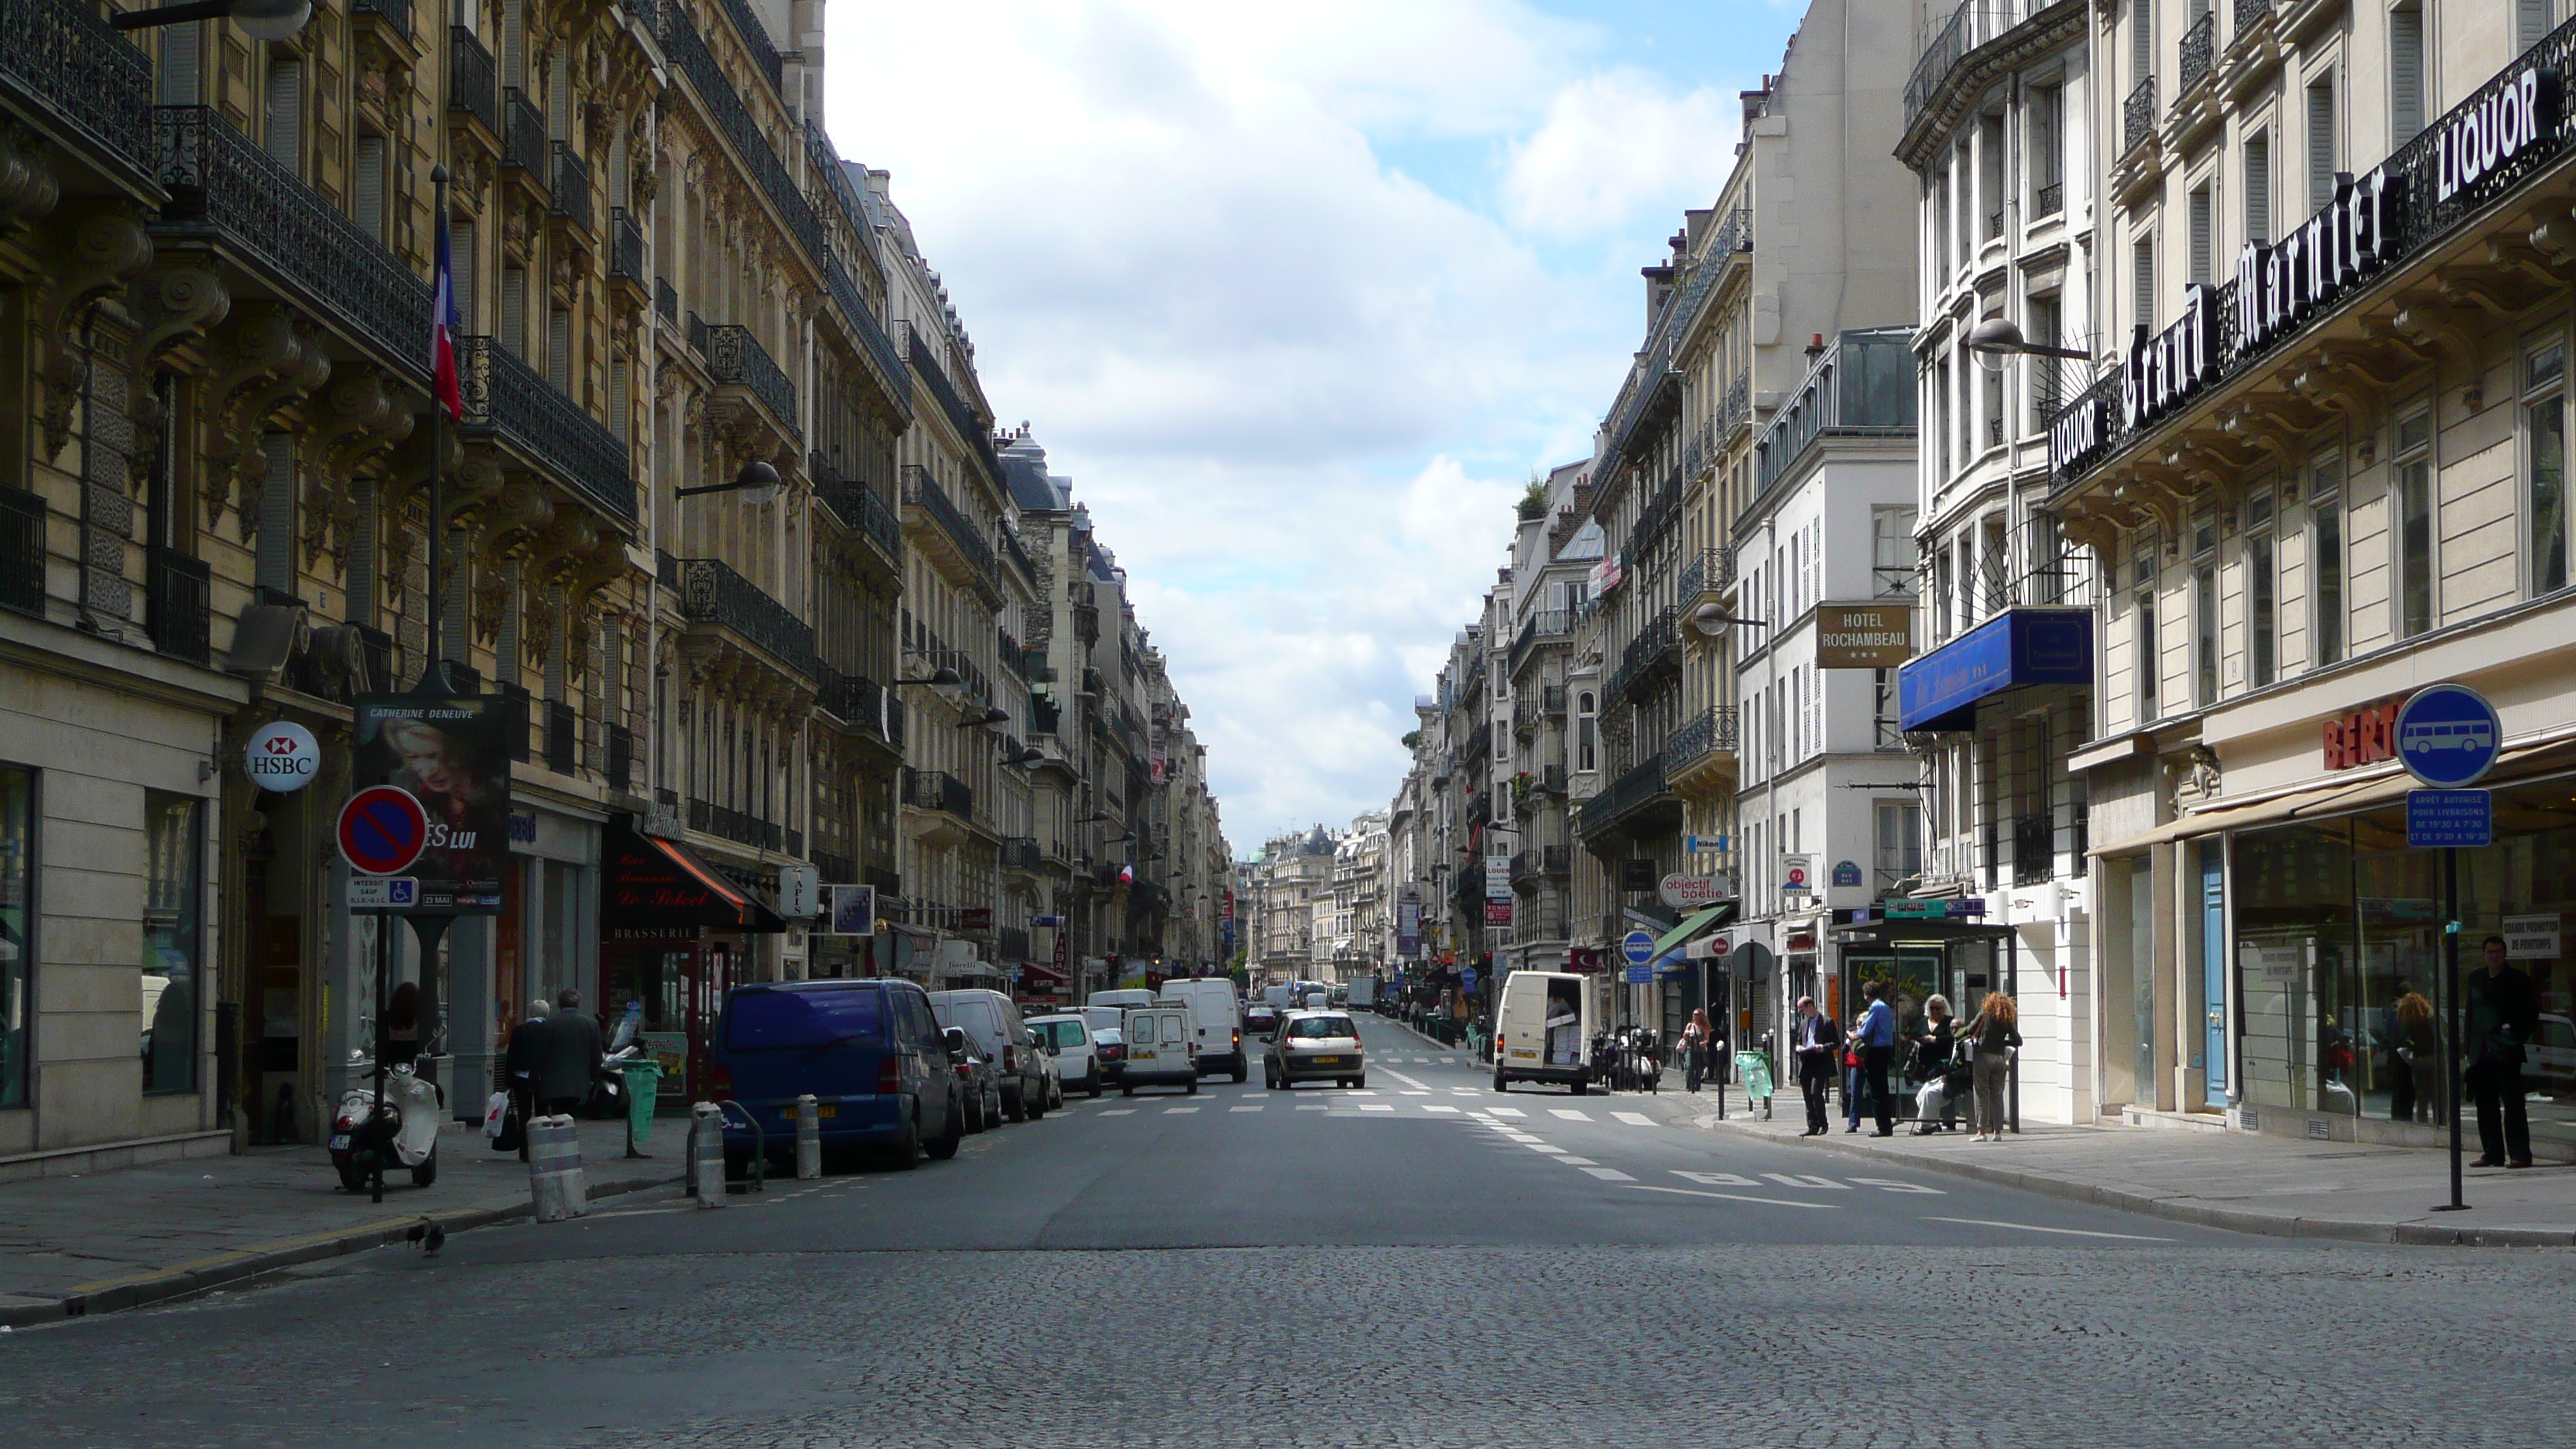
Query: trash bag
[{"x": 643, "y": 1090}]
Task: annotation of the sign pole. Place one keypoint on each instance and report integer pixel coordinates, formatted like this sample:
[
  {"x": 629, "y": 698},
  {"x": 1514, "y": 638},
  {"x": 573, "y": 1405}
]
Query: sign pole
[
  {"x": 2451, "y": 1017},
  {"x": 376, "y": 1048}
]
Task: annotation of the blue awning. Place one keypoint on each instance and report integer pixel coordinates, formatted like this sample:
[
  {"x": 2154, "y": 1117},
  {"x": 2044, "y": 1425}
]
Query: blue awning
[{"x": 2020, "y": 647}]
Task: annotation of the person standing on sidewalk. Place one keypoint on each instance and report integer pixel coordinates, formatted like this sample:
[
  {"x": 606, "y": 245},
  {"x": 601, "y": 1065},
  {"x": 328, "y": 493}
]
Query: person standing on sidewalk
[
  {"x": 1878, "y": 1053},
  {"x": 2504, "y": 1015},
  {"x": 572, "y": 1057},
  {"x": 1992, "y": 1039},
  {"x": 1818, "y": 1044},
  {"x": 522, "y": 1062},
  {"x": 1932, "y": 1105},
  {"x": 1694, "y": 1048}
]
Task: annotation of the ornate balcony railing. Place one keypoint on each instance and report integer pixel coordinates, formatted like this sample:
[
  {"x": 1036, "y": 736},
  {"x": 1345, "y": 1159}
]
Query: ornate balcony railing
[
  {"x": 2249, "y": 13},
  {"x": 63, "y": 63},
  {"x": 755, "y": 38},
  {"x": 969, "y": 424},
  {"x": 2048, "y": 200},
  {"x": 737, "y": 359},
  {"x": 225, "y": 188},
  {"x": 22, "y": 550},
  {"x": 625, "y": 246},
  {"x": 2138, "y": 116},
  {"x": 858, "y": 507},
  {"x": 1737, "y": 411},
  {"x": 523, "y": 137},
  {"x": 1545, "y": 626},
  {"x": 1636, "y": 789},
  {"x": 1709, "y": 570},
  {"x": 563, "y": 737},
  {"x": 177, "y": 601},
  {"x": 726, "y": 823},
  {"x": 572, "y": 190},
  {"x": 938, "y": 790},
  {"x": 1713, "y": 732},
  {"x": 712, "y": 593},
  {"x": 473, "y": 81},
  {"x": 922, "y": 491},
  {"x": 395, "y": 13},
  {"x": 666, "y": 300},
  {"x": 853, "y": 699},
  {"x": 688, "y": 53},
  {"x": 1021, "y": 853},
  {"x": 504, "y": 395},
  {"x": 2199, "y": 46}
]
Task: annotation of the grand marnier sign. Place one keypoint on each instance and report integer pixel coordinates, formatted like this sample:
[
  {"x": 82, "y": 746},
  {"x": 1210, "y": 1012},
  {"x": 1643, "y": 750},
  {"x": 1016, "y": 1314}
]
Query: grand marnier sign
[{"x": 2510, "y": 126}]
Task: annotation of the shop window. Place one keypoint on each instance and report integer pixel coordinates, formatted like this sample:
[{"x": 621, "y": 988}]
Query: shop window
[
  {"x": 2261, "y": 591},
  {"x": 2326, "y": 559},
  {"x": 2544, "y": 466},
  {"x": 173, "y": 992},
  {"x": 2412, "y": 499},
  {"x": 17, "y": 931}
]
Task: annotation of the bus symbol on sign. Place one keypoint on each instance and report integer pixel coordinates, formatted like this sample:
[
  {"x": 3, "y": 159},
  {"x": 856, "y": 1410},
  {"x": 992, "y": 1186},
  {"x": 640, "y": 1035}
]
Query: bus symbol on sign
[{"x": 2447, "y": 735}]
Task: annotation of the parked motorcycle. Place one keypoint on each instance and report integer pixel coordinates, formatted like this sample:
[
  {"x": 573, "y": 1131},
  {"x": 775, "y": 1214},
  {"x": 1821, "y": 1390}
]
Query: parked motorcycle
[{"x": 372, "y": 1134}]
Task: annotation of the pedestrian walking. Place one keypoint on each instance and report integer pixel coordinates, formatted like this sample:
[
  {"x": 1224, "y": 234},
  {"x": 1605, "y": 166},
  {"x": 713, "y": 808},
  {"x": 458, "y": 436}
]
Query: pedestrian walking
[
  {"x": 1878, "y": 1053},
  {"x": 1818, "y": 1043},
  {"x": 1992, "y": 1039},
  {"x": 1934, "y": 1111},
  {"x": 1694, "y": 1044},
  {"x": 2504, "y": 1015},
  {"x": 2405, "y": 1033},
  {"x": 573, "y": 1056},
  {"x": 521, "y": 1062}
]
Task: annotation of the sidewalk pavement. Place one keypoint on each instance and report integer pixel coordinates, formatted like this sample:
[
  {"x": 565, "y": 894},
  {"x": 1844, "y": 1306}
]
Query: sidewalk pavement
[
  {"x": 102, "y": 1241},
  {"x": 2247, "y": 1182}
]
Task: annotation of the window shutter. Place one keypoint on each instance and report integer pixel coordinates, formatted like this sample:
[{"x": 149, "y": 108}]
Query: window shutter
[
  {"x": 367, "y": 189},
  {"x": 2405, "y": 75},
  {"x": 2258, "y": 190},
  {"x": 559, "y": 349},
  {"x": 514, "y": 310},
  {"x": 2200, "y": 242},
  {"x": 2143, "y": 276},
  {"x": 273, "y": 557},
  {"x": 181, "y": 47},
  {"x": 460, "y": 246},
  {"x": 2321, "y": 142},
  {"x": 362, "y": 561},
  {"x": 284, "y": 138},
  {"x": 2530, "y": 23},
  {"x": 619, "y": 408},
  {"x": 514, "y": 43},
  {"x": 2142, "y": 41}
]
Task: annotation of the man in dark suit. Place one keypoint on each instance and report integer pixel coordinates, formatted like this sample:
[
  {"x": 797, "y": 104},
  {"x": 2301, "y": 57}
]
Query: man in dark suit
[
  {"x": 524, "y": 1059},
  {"x": 2504, "y": 1016},
  {"x": 1818, "y": 1042},
  {"x": 572, "y": 1057}
]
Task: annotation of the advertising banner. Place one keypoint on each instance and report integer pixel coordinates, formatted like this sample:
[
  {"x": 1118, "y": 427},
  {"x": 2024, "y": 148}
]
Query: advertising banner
[{"x": 453, "y": 756}]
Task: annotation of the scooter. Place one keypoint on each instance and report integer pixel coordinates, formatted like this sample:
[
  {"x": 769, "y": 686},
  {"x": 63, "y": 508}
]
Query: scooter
[{"x": 371, "y": 1135}]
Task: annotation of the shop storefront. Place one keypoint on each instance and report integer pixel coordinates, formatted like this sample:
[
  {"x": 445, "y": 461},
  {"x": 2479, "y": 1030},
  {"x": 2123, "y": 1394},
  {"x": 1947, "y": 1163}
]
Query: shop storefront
[{"x": 675, "y": 936}]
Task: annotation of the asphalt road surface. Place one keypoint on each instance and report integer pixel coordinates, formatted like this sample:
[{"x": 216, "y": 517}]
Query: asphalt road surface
[{"x": 1422, "y": 1263}]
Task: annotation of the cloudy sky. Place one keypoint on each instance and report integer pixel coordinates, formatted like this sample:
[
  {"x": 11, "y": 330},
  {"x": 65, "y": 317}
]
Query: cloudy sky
[{"x": 1299, "y": 295}]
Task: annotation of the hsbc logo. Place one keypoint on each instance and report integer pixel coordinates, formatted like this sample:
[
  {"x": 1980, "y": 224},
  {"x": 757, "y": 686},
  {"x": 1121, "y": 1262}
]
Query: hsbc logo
[{"x": 282, "y": 756}]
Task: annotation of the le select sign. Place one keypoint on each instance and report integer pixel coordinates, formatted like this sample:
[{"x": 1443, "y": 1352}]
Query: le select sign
[{"x": 282, "y": 756}]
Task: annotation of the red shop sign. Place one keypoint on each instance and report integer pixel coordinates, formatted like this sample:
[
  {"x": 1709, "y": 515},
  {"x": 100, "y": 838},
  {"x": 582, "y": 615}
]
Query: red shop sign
[{"x": 2364, "y": 737}]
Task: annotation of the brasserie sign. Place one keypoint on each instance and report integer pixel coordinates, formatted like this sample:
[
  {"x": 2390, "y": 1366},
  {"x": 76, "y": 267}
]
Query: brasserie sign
[{"x": 2513, "y": 124}]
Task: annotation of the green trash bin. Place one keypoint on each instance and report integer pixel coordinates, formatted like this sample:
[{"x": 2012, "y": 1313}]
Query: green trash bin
[{"x": 643, "y": 1092}]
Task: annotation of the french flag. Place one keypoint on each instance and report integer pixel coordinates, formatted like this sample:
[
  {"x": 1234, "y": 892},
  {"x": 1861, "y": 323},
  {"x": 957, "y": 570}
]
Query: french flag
[
  {"x": 442, "y": 336},
  {"x": 1127, "y": 874}
]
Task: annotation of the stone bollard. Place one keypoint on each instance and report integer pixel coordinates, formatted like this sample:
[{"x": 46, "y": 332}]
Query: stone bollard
[
  {"x": 555, "y": 1184},
  {"x": 809, "y": 1139},
  {"x": 706, "y": 1155}
]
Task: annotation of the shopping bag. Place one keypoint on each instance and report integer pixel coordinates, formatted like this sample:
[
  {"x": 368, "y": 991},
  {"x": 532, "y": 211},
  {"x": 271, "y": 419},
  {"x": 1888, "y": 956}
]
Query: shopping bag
[{"x": 493, "y": 1112}]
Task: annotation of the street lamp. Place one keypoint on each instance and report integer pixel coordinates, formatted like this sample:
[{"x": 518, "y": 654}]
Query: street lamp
[
  {"x": 1709, "y": 618},
  {"x": 259, "y": 19},
  {"x": 1996, "y": 339},
  {"x": 757, "y": 478}
]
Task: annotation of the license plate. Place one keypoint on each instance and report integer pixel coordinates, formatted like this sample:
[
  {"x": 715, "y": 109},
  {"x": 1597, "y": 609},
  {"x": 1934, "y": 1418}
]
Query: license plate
[
  {"x": 827, "y": 1109},
  {"x": 340, "y": 1143},
  {"x": 1325, "y": 1061}
]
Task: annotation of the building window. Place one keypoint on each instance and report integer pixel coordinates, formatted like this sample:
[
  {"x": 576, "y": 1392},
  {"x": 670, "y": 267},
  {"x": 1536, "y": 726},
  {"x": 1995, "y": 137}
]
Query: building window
[
  {"x": 2142, "y": 42},
  {"x": 1990, "y": 174},
  {"x": 1586, "y": 749},
  {"x": 1941, "y": 399},
  {"x": 283, "y": 137},
  {"x": 1941, "y": 594},
  {"x": 2204, "y": 612},
  {"x": 2047, "y": 151},
  {"x": 2261, "y": 586},
  {"x": 2142, "y": 281},
  {"x": 2321, "y": 143},
  {"x": 273, "y": 551},
  {"x": 2147, "y": 666},
  {"x": 2544, "y": 429},
  {"x": 367, "y": 188},
  {"x": 2405, "y": 75},
  {"x": 2413, "y": 500},
  {"x": 2530, "y": 23},
  {"x": 1885, "y": 710},
  {"x": 2048, "y": 374},
  {"x": 2325, "y": 557},
  {"x": 173, "y": 931},
  {"x": 17, "y": 930},
  {"x": 2202, "y": 243},
  {"x": 514, "y": 311},
  {"x": 1966, "y": 210},
  {"x": 2258, "y": 189},
  {"x": 1892, "y": 557},
  {"x": 182, "y": 52}
]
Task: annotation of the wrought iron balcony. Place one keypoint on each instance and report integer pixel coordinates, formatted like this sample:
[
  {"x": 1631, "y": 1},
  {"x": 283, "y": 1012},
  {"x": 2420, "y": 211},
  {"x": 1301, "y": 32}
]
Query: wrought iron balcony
[
  {"x": 505, "y": 397},
  {"x": 1656, "y": 646},
  {"x": 1712, "y": 733},
  {"x": 2138, "y": 116},
  {"x": 621, "y": 759},
  {"x": 1639, "y": 790},
  {"x": 1709, "y": 571},
  {"x": 688, "y": 53},
  {"x": 176, "y": 600},
  {"x": 229, "y": 191},
  {"x": 625, "y": 247},
  {"x": 859, "y": 508},
  {"x": 922, "y": 491},
  {"x": 524, "y": 145},
  {"x": 853, "y": 699},
  {"x": 473, "y": 81},
  {"x": 712, "y": 593},
  {"x": 726, "y": 823},
  {"x": 2199, "y": 44},
  {"x": 737, "y": 359},
  {"x": 86, "y": 81},
  {"x": 2249, "y": 13},
  {"x": 1021, "y": 853},
  {"x": 1547, "y": 626},
  {"x": 396, "y": 14},
  {"x": 1738, "y": 409},
  {"x": 572, "y": 194},
  {"x": 563, "y": 737},
  {"x": 938, "y": 790},
  {"x": 666, "y": 300},
  {"x": 2048, "y": 200},
  {"x": 969, "y": 424},
  {"x": 22, "y": 550},
  {"x": 755, "y": 38}
]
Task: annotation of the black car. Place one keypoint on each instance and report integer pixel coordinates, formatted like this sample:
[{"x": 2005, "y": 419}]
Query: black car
[{"x": 1260, "y": 1020}]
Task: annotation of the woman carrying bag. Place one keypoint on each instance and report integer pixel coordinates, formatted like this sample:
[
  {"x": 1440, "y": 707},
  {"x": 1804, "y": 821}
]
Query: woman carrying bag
[
  {"x": 1934, "y": 1103},
  {"x": 1992, "y": 1039}
]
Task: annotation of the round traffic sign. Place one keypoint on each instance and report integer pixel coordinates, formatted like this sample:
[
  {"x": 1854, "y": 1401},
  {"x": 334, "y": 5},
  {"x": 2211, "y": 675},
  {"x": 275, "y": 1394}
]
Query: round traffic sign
[
  {"x": 382, "y": 829},
  {"x": 1466, "y": 975},
  {"x": 1637, "y": 948},
  {"x": 2448, "y": 735},
  {"x": 281, "y": 755}
]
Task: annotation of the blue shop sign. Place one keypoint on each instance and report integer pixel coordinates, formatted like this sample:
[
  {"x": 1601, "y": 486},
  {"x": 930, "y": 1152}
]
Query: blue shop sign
[{"x": 2022, "y": 647}]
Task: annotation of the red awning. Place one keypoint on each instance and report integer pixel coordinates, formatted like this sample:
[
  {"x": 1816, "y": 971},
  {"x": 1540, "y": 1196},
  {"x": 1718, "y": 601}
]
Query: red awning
[{"x": 657, "y": 882}]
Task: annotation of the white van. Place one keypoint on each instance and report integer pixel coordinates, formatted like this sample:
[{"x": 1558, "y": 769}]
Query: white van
[
  {"x": 1124, "y": 998},
  {"x": 1216, "y": 1022},
  {"x": 1540, "y": 1028},
  {"x": 1160, "y": 1050}
]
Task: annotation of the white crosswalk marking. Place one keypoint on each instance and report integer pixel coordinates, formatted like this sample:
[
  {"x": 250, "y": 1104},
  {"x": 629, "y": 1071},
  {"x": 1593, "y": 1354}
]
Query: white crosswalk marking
[
  {"x": 1377, "y": 1106},
  {"x": 1313, "y": 1107},
  {"x": 1178, "y": 1111},
  {"x": 1634, "y": 1119},
  {"x": 1243, "y": 1109},
  {"x": 1436, "y": 1107},
  {"x": 1119, "y": 1112},
  {"x": 1569, "y": 1114},
  {"x": 1448, "y": 1061},
  {"x": 1609, "y": 1174},
  {"x": 1717, "y": 1179},
  {"x": 1806, "y": 1179},
  {"x": 1413, "y": 1094},
  {"x": 1543, "y": 1147},
  {"x": 1425, "y": 1061},
  {"x": 1509, "y": 1112},
  {"x": 1578, "y": 1162}
]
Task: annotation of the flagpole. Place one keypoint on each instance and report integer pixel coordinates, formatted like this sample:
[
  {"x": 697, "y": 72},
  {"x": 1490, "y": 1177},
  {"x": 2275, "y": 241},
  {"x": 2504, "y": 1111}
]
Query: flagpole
[{"x": 433, "y": 674}]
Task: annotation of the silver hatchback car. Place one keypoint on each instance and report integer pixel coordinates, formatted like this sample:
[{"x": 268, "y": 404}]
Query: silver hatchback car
[{"x": 1315, "y": 1046}]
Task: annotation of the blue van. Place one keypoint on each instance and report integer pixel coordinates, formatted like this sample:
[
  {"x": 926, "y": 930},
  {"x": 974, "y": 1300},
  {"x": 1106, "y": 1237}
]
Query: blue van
[{"x": 870, "y": 1053}]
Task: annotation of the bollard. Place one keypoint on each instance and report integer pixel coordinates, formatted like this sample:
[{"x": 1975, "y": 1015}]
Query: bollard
[
  {"x": 555, "y": 1184},
  {"x": 809, "y": 1139},
  {"x": 707, "y": 1156}
]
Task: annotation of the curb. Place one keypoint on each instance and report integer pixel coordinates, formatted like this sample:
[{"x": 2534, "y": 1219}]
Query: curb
[
  {"x": 189, "y": 1279},
  {"x": 2349, "y": 1230}
]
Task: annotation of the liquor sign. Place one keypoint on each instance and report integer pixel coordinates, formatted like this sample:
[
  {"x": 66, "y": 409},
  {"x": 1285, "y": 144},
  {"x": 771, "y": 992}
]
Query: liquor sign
[{"x": 1864, "y": 636}]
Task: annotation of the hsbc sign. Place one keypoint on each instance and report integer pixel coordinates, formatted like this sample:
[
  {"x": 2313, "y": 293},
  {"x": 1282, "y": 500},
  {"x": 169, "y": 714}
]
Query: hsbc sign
[{"x": 282, "y": 756}]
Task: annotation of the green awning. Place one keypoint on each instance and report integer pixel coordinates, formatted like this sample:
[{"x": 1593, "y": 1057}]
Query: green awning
[{"x": 1691, "y": 926}]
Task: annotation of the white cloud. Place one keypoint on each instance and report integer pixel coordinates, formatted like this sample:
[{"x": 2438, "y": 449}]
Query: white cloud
[{"x": 1616, "y": 148}]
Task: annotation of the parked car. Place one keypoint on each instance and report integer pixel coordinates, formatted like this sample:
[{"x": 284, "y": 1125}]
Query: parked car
[
  {"x": 995, "y": 1026},
  {"x": 1260, "y": 1019},
  {"x": 977, "y": 1078},
  {"x": 2553, "y": 1055},
  {"x": 1162, "y": 1050},
  {"x": 1215, "y": 1022},
  {"x": 870, "y": 1053},
  {"x": 1068, "y": 1038},
  {"x": 1315, "y": 1046}
]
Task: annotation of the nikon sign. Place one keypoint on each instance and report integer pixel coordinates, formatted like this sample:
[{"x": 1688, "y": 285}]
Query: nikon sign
[{"x": 1863, "y": 636}]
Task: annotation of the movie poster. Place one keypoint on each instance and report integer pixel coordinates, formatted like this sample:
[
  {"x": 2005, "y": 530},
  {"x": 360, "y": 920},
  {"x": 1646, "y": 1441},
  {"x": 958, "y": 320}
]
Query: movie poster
[{"x": 453, "y": 755}]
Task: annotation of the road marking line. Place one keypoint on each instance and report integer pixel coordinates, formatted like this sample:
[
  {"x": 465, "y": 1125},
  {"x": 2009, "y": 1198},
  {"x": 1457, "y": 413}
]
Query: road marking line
[
  {"x": 1448, "y": 1061},
  {"x": 1889, "y": 1184},
  {"x": 2036, "y": 1228},
  {"x": 1716, "y": 1179},
  {"x": 1422, "y": 1061},
  {"x": 1119, "y": 1112},
  {"x": 1578, "y": 1162},
  {"x": 1608, "y": 1174},
  {"x": 1436, "y": 1107},
  {"x": 1316, "y": 1107},
  {"x": 1568, "y": 1113},
  {"x": 1243, "y": 1109},
  {"x": 1732, "y": 1196},
  {"x": 1464, "y": 1092},
  {"x": 1509, "y": 1112},
  {"x": 1413, "y": 1094},
  {"x": 1359, "y": 1092},
  {"x": 1377, "y": 1106},
  {"x": 1634, "y": 1119},
  {"x": 1806, "y": 1179},
  {"x": 1543, "y": 1147},
  {"x": 1178, "y": 1111}
]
